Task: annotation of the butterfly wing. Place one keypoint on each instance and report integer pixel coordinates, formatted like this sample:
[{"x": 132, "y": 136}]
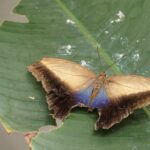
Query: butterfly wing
[
  {"x": 126, "y": 93},
  {"x": 126, "y": 85},
  {"x": 61, "y": 79}
]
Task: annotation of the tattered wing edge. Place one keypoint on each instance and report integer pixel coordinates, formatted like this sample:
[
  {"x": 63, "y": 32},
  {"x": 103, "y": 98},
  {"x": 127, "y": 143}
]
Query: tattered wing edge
[
  {"x": 119, "y": 109},
  {"x": 58, "y": 93}
]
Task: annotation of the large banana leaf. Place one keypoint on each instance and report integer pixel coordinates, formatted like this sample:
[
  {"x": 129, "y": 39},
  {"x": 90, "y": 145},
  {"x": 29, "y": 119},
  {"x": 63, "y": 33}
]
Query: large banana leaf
[
  {"x": 72, "y": 29},
  {"x": 77, "y": 133}
]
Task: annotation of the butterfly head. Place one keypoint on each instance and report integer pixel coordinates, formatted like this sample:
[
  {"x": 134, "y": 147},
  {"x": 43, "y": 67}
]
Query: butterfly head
[{"x": 102, "y": 74}]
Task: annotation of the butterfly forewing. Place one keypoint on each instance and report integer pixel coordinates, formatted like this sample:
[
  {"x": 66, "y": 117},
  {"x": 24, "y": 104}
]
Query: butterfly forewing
[
  {"x": 72, "y": 74},
  {"x": 117, "y": 86}
]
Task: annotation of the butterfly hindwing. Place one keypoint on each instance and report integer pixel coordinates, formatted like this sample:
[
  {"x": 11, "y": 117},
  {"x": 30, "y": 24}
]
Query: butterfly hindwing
[{"x": 126, "y": 93}]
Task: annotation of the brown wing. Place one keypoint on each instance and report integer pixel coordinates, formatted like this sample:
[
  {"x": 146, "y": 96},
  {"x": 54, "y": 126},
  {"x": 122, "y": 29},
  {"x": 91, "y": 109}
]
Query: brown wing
[
  {"x": 126, "y": 93},
  {"x": 118, "y": 86},
  {"x": 60, "y": 78},
  {"x": 72, "y": 74}
]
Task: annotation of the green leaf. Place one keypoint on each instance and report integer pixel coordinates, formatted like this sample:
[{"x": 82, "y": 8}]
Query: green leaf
[
  {"x": 72, "y": 30},
  {"x": 77, "y": 133}
]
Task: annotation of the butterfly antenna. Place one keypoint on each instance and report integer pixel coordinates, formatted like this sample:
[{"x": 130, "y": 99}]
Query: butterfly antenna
[
  {"x": 114, "y": 63},
  {"x": 100, "y": 60},
  {"x": 99, "y": 57},
  {"x": 110, "y": 66}
]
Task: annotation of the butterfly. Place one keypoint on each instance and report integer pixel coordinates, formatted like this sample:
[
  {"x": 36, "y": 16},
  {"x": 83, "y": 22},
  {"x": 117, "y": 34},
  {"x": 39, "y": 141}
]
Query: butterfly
[{"x": 68, "y": 85}]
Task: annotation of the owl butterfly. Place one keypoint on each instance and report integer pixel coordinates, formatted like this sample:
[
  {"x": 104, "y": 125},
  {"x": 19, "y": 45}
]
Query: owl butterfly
[{"x": 68, "y": 85}]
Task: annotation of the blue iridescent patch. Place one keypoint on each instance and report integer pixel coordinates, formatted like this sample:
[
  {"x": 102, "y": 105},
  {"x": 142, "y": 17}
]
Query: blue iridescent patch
[{"x": 101, "y": 100}]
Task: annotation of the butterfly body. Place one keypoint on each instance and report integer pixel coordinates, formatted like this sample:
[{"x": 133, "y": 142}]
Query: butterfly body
[
  {"x": 98, "y": 84},
  {"x": 99, "y": 101},
  {"x": 68, "y": 85}
]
